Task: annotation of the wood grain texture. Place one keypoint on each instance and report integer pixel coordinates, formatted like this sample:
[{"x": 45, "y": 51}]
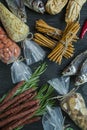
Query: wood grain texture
[{"x": 53, "y": 69}]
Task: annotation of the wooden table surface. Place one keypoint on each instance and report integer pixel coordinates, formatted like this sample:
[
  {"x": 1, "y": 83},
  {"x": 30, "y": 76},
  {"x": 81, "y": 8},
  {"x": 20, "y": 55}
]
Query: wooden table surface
[{"x": 53, "y": 69}]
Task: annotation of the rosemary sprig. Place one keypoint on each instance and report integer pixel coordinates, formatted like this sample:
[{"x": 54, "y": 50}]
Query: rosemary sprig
[
  {"x": 19, "y": 128},
  {"x": 69, "y": 128},
  {"x": 43, "y": 95},
  {"x": 3, "y": 97}
]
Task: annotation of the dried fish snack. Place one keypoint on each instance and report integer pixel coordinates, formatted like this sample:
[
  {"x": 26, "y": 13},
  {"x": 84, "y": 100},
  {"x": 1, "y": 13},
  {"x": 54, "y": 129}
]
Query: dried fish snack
[
  {"x": 75, "y": 65},
  {"x": 53, "y": 119},
  {"x": 17, "y": 7},
  {"x": 15, "y": 28},
  {"x": 72, "y": 103},
  {"x": 82, "y": 75},
  {"x": 36, "y": 5},
  {"x": 55, "y": 6},
  {"x": 32, "y": 52},
  {"x": 64, "y": 47},
  {"x": 73, "y": 10}
]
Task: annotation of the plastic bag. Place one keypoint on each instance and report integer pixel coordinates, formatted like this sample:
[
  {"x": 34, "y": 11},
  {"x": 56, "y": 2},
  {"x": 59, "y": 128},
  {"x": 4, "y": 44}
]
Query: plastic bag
[
  {"x": 9, "y": 50},
  {"x": 61, "y": 84},
  {"x": 75, "y": 107},
  {"x": 53, "y": 119},
  {"x": 72, "y": 103},
  {"x": 32, "y": 52},
  {"x": 20, "y": 71}
]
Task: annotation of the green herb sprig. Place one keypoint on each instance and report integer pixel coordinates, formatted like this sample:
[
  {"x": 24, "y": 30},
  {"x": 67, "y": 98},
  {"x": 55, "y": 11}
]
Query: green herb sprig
[
  {"x": 43, "y": 95},
  {"x": 3, "y": 97},
  {"x": 69, "y": 128}
]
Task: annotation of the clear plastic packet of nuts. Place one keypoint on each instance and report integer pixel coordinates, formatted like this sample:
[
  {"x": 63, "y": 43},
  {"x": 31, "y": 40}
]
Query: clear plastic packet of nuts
[
  {"x": 32, "y": 51},
  {"x": 9, "y": 50},
  {"x": 71, "y": 102},
  {"x": 10, "y": 53}
]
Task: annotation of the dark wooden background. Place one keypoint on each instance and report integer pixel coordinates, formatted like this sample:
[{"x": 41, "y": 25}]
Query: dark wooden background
[{"x": 53, "y": 69}]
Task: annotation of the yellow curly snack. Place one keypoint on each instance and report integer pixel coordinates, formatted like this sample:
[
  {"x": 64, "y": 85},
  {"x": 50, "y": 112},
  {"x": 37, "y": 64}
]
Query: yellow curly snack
[
  {"x": 73, "y": 10},
  {"x": 55, "y": 6}
]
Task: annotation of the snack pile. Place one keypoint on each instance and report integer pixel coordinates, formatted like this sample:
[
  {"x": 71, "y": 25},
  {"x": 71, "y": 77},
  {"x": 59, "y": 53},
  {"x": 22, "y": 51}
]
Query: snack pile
[{"x": 31, "y": 100}]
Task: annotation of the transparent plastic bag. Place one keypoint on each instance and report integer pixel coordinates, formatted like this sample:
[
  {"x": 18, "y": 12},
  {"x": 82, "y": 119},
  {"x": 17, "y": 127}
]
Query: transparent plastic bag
[
  {"x": 9, "y": 50},
  {"x": 32, "y": 52},
  {"x": 71, "y": 102},
  {"x": 20, "y": 71},
  {"x": 61, "y": 84},
  {"x": 53, "y": 119},
  {"x": 74, "y": 105}
]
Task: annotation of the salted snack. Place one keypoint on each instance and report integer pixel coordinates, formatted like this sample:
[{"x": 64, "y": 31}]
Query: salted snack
[
  {"x": 32, "y": 52},
  {"x": 44, "y": 41},
  {"x": 43, "y": 27},
  {"x": 46, "y": 35},
  {"x": 75, "y": 66},
  {"x": 17, "y": 7},
  {"x": 75, "y": 107},
  {"x": 9, "y": 50},
  {"x": 36, "y": 5},
  {"x": 73, "y": 10},
  {"x": 55, "y": 6},
  {"x": 82, "y": 75},
  {"x": 72, "y": 103},
  {"x": 15, "y": 28},
  {"x": 53, "y": 119},
  {"x": 64, "y": 47}
]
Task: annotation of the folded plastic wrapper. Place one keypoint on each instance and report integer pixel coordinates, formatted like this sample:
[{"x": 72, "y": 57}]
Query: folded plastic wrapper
[
  {"x": 17, "y": 7},
  {"x": 72, "y": 103},
  {"x": 20, "y": 71},
  {"x": 61, "y": 84},
  {"x": 32, "y": 52},
  {"x": 53, "y": 119}
]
